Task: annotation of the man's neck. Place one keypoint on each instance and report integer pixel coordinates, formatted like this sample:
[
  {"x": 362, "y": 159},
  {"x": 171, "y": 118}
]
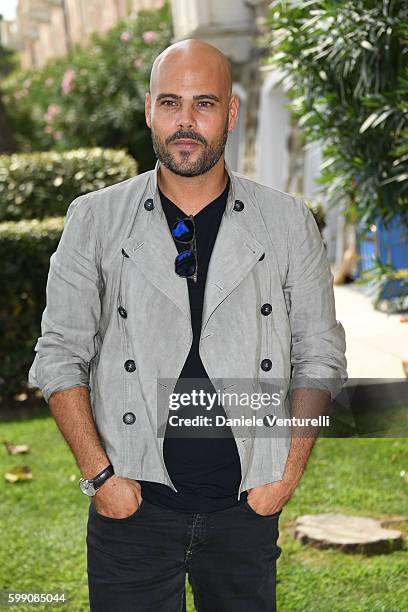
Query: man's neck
[{"x": 192, "y": 193}]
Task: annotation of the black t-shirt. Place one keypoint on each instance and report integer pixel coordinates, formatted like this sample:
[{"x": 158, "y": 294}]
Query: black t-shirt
[{"x": 205, "y": 470}]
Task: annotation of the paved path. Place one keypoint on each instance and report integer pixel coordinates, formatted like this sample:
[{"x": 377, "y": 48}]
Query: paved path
[{"x": 376, "y": 342}]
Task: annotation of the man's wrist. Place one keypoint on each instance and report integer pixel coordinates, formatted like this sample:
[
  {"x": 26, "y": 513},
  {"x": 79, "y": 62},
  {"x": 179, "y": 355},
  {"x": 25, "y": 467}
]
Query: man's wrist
[
  {"x": 291, "y": 481},
  {"x": 96, "y": 468},
  {"x": 110, "y": 483},
  {"x": 90, "y": 486}
]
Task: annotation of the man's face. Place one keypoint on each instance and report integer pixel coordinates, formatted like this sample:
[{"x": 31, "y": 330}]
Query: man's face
[{"x": 189, "y": 104}]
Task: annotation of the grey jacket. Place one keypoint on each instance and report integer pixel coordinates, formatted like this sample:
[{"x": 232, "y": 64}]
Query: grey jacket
[{"x": 117, "y": 317}]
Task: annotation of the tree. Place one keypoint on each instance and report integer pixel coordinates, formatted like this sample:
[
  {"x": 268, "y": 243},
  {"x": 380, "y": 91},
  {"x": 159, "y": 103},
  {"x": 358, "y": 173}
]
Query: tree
[{"x": 345, "y": 64}]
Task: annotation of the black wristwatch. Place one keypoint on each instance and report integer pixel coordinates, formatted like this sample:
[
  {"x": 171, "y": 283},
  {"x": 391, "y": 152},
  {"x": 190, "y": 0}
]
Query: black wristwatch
[{"x": 90, "y": 487}]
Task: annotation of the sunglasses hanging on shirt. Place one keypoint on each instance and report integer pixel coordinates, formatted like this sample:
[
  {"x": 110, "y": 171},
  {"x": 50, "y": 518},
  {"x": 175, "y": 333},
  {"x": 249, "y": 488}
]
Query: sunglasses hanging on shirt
[{"x": 186, "y": 263}]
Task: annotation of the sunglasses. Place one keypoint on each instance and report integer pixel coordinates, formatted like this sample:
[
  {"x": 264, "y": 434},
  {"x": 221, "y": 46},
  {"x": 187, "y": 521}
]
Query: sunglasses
[{"x": 186, "y": 263}]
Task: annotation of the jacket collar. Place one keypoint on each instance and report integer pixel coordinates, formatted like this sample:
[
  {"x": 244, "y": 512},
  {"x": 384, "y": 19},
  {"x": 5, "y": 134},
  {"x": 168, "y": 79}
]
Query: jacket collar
[
  {"x": 236, "y": 250},
  {"x": 153, "y": 187}
]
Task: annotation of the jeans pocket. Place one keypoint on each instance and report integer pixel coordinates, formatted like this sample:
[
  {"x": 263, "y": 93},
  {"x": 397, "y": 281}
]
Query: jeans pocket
[
  {"x": 117, "y": 520},
  {"x": 262, "y": 516}
]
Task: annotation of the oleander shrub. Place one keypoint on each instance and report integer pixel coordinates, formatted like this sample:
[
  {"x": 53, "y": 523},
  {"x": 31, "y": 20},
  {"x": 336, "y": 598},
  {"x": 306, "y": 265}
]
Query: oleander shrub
[{"x": 94, "y": 95}]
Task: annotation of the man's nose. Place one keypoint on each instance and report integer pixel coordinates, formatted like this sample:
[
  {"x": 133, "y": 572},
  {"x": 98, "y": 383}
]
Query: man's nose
[{"x": 186, "y": 118}]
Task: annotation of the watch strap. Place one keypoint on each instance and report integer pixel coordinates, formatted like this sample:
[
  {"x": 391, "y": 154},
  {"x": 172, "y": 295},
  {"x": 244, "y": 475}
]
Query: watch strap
[{"x": 100, "y": 478}]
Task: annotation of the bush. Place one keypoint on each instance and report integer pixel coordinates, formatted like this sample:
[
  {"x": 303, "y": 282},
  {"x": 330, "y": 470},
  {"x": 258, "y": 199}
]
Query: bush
[
  {"x": 25, "y": 251},
  {"x": 95, "y": 95},
  {"x": 39, "y": 185}
]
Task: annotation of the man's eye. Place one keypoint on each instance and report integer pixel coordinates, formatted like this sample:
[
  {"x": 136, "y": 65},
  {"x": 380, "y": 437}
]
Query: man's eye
[{"x": 171, "y": 102}]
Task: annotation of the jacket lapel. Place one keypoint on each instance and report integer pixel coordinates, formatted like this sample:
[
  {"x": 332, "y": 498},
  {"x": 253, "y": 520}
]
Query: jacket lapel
[
  {"x": 151, "y": 247},
  {"x": 234, "y": 254}
]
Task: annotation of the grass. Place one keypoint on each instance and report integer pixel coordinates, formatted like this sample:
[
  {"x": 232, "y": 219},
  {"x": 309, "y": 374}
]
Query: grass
[{"x": 43, "y": 524}]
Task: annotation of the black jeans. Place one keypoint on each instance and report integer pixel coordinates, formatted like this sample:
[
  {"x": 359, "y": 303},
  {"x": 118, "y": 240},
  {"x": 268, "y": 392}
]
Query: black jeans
[{"x": 139, "y": 563}]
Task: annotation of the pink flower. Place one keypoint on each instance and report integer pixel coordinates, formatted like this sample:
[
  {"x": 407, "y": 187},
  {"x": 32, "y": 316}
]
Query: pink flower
[
  {"x": 125, "y": 36},
  {"x": 52, "y": 111},
  {"x": 149, "y": 36},
  {"x": 67, "y": 80},
  {"x": 138, "y": 62}
]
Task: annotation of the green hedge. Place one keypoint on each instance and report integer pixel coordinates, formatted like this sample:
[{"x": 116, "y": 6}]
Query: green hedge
[
  {"x": 35, "y": 192},
  {"x": 40, "y": 185},
  {"x": 25, "y": 250}
]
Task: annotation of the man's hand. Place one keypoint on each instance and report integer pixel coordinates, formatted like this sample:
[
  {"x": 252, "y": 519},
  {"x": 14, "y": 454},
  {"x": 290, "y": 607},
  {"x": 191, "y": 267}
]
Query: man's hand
[
  {"x": 271, "y": 497},
  {"x": 118, "y": 497}
]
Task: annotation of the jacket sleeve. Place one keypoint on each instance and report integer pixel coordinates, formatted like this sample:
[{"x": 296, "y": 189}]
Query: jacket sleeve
[
  {"x": 318, "y": 339},
  {"x": 70, "y": 320}
]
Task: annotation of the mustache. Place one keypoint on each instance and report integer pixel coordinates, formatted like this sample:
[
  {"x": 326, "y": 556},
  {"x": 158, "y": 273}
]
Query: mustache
[{"x": 186, "y": 134}]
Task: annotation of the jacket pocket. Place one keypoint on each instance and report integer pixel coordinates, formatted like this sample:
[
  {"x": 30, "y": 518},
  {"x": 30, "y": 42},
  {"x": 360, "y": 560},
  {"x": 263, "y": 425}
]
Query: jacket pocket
[
  {"x": 118, "y": 520},
  {"x": 262, "y": 516}
]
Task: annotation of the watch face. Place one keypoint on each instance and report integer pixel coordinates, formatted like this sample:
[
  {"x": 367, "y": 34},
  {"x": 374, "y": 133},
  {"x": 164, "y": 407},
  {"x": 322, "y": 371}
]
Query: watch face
[{"x": 87, "y": 487}]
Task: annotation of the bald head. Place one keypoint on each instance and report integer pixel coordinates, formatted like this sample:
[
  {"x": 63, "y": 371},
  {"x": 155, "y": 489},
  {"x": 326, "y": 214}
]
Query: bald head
[{"x": 193, "y": 55}]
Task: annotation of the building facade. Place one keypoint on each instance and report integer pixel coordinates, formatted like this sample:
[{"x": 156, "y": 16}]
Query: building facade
[{"x": 44, "y": 29}]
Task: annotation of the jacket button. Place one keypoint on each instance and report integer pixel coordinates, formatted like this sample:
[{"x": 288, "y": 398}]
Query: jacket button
[
  {"x": 124, "y": 253},
  {"x": 261, "y": 257},
  {"x": 130, "y": 365},
  {"x": 149, "y": 204},
  {"x": 266, "y": 309},
  {"x": 266, "y": 364},
  {"x": 129, "y": 418},
  {"x": 122, "y": 312},
  {"x": 239, "y": 205}
]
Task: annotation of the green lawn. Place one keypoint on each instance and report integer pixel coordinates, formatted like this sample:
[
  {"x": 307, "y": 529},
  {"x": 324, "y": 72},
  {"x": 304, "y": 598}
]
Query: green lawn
[{"x": 43, "y": 524}]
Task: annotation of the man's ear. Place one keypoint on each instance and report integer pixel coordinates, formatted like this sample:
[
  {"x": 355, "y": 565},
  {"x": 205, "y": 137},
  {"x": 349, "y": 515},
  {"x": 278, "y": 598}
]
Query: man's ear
[
  {"x": 233, "y": 112},
  {"x": 148, "y": 108}
]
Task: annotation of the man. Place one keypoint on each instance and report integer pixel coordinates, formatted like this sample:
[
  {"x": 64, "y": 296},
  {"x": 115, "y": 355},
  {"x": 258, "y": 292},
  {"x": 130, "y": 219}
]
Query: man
[{"x": 188, "y": 271}]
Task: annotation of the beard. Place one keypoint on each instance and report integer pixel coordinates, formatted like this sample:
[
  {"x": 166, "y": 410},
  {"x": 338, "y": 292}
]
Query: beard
[{"x": 184, "y": 166}]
